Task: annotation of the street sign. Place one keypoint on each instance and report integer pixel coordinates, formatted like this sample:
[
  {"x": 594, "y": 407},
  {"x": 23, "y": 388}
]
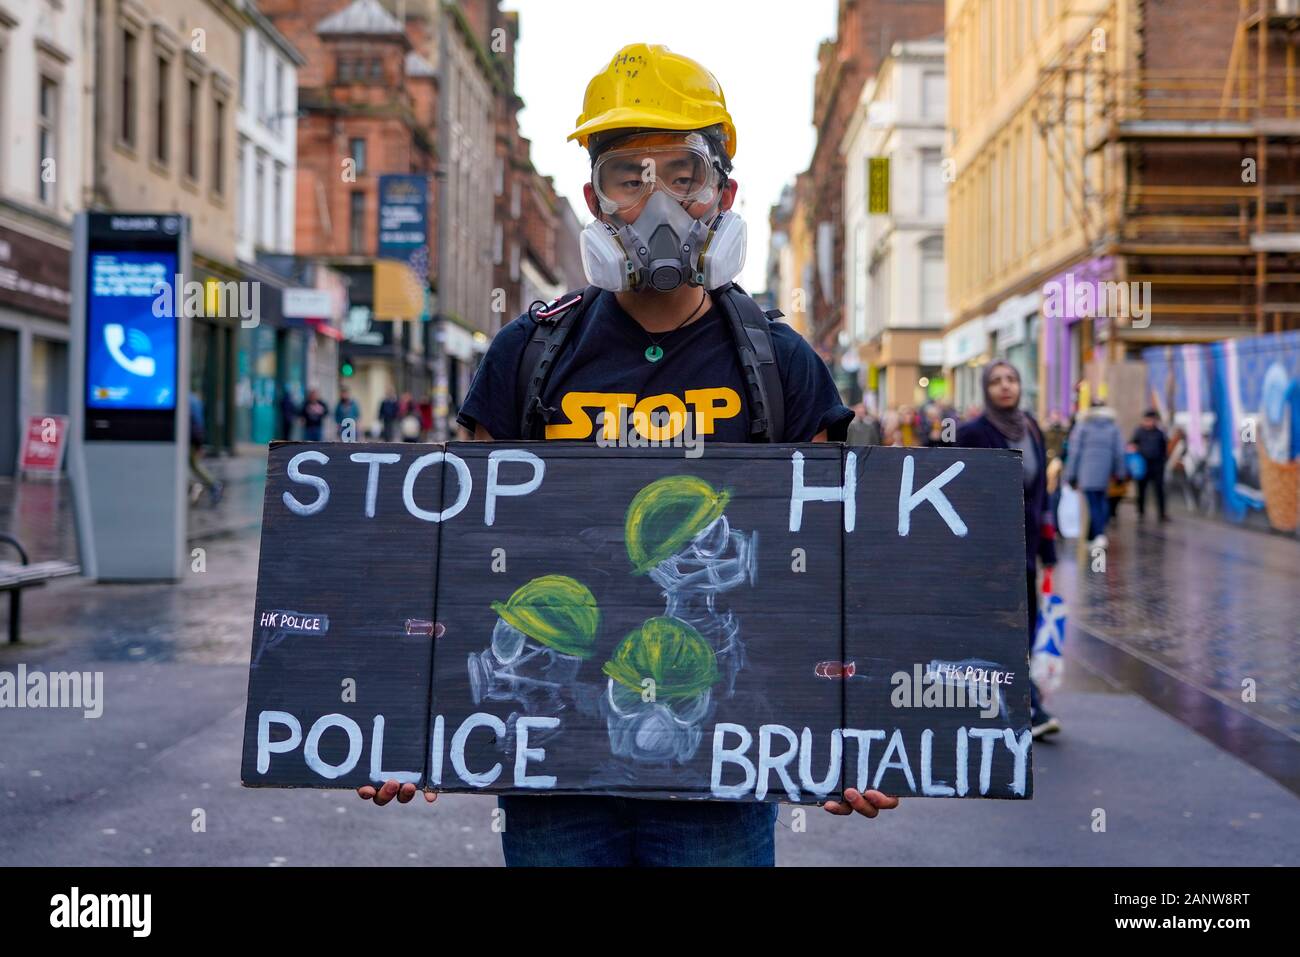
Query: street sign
[
  {"x": 759, "y": 623},
  {"x": 302, "y": 303},
  {"x": 404, "y": 221},
  {"x": 878, "y": 184},
  {"x": 43, "y": 445}
]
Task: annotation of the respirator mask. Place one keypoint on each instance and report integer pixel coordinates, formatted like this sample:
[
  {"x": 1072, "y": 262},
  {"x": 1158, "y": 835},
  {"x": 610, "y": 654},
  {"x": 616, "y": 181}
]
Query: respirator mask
[
  {"x": 514, "y": 668},
  {"x": 665, "y": 247},
  {"x": 717, "y": 559},
  {"x": 654, "y": 731}
]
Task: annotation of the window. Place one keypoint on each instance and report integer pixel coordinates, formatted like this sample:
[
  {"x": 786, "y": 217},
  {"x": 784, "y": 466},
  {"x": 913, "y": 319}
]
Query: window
[
  {"x": 2, "y": 114},
  {"x": 357, "y": 150},
  {"x": 357, "y": 222},
  {"x": 276, "y": 90},
  {"x": 515, "y": 199},
  {"x": 259, "y": 194},
  {"x": 932, "y": 282},
  {"x": 351, "y": 68},
  {"x": 498, "y": 243},
  {"x": 251, "y": 81},
  {"x": 219, "y": 146},
  {"x": 47, "y": 140},
  {"x": 932, "y": 191},
  {"x": 241, "y": 212},
  {"x": 192, "y": 128},
  {"x": 880, "y": 305},
  {"x": 263, "y": 79},
  {"x": 161, "y": 109},
  {"x": 126, "y": 89},
  {"x": 934, "y": 95},
  {"x": 500, "y": 175},
  {"x": 277, "y": 209},
  {"x": 859, "y": 279}
]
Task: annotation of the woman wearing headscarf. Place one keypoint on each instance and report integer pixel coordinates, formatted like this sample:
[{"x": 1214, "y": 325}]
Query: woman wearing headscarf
[{"x": 1004, "y": 425}]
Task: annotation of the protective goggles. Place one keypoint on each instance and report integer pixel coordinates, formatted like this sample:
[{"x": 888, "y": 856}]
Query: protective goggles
[{"x": 680, "y": 165}]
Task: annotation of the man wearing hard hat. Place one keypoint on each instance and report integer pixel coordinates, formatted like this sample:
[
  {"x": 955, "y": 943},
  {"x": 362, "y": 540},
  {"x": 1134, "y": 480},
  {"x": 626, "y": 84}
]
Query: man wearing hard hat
[{"x": 660, "y": 341}]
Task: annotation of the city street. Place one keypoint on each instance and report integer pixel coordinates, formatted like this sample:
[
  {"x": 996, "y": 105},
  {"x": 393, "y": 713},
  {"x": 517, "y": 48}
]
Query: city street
[{"x": 124, "y": 788}]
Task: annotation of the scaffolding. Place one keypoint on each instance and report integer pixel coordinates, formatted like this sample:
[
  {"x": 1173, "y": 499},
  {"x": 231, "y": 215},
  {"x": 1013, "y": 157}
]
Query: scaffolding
[{"x": 1189, "y": 177}]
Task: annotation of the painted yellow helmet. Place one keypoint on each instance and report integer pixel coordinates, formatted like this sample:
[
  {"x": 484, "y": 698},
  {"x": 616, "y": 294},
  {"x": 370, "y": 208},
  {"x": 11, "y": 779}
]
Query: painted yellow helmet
[
  {"x": 556, "y": 610},
  {"x": 666, "y": 514},
  {"x": 649, "y": 87},
  {"x": 671, "y": 653}
]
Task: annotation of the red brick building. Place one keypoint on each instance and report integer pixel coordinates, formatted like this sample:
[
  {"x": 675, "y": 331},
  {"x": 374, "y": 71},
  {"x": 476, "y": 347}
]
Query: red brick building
[
  {"x": 865, "y": 32},
  {"x": 368, "y": 105}
]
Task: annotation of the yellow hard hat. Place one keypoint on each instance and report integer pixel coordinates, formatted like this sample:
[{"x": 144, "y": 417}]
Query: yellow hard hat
[{"x": 648, "y": 86}]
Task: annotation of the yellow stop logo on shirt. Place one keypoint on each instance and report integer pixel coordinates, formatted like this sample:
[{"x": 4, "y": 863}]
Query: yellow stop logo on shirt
[{"x": 706, "y": 405}]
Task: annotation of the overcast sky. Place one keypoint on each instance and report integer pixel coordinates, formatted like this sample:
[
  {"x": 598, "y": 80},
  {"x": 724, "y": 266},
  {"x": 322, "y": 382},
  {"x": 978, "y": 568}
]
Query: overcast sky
[{"x": 763, "y": 52}]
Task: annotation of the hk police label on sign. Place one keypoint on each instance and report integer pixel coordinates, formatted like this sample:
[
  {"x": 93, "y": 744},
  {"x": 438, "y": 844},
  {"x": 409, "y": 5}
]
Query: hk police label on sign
[{"x": 760, "y": 623}]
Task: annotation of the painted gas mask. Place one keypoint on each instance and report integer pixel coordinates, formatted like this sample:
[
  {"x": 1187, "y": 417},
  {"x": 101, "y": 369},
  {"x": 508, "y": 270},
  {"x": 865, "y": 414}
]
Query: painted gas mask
[
  {"x": 513, "y": 668},
  {"x": 716, "y": 560},
  {"x": 660, "y": 694},
  {"x": 654, "y": 732},
  {"x": 543, "y": 633}
]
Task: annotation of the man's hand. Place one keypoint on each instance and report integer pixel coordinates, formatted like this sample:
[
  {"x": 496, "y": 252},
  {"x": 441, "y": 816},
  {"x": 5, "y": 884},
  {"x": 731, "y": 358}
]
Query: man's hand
[
  {"x": 391, "y": 789},
  {"x": 866, "y": 803}
]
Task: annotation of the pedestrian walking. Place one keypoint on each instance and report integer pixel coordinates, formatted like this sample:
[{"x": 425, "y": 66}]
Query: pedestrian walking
[
  {"x": 1004, "y": 425},
  {"x": 1095, "y": 456},
  {"x": 1150, "y": 442},
  {"x": 865, "y": 427},
  {"x": 408, "y": 418},
  {"x": 314, "y": 411},
  {"x": 289, "y": 413},
  {"x": 203, "y": 479},
  {"x": 657, "y": 324},
  {"x": 388, "y": 416},
  {"x": 426, "y": 415},
  {"x": 346, "y": 410}
]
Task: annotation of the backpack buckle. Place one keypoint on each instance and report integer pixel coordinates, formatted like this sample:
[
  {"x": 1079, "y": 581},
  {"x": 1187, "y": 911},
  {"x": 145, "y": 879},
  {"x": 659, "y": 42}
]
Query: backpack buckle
[{"x": 550, "y": 311}]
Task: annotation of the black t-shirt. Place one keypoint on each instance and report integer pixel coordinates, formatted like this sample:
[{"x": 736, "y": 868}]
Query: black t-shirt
[{"x": 696, "y": 385}]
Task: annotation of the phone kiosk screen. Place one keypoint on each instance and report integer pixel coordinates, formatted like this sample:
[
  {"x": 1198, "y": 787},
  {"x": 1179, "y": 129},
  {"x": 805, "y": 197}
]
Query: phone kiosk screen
[{"x": 131, "y": 344}]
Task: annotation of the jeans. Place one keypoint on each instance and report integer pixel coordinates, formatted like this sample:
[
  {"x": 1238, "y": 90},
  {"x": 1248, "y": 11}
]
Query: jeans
[
  {"x": 1098, "y": 511},
  {"x": 581, "y": 831},
  {"x": 1156, "y": 477}
]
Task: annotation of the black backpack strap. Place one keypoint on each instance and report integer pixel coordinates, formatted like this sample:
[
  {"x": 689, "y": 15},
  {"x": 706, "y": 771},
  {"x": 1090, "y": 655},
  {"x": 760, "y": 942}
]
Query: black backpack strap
[
  {"x": 751, "y": 327},
  {"x": 552, "y": 322}
]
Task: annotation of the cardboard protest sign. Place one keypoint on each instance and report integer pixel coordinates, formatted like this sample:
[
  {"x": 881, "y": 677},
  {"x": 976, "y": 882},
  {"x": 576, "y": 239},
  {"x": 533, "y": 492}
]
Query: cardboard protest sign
[{"x": 771, "y": 623}]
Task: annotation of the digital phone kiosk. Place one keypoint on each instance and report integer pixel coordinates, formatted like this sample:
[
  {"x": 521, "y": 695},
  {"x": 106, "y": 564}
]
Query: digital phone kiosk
[{"x": 129, "y": 434}]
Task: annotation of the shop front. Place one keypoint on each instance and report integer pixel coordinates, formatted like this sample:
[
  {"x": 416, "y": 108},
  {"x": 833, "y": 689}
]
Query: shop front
[
  {"x": 34, "y": 301},
  {"x": 1013, "y": 331},
  {"x": 1069, "y": 298},
  {"x": 965, "y": 350}
]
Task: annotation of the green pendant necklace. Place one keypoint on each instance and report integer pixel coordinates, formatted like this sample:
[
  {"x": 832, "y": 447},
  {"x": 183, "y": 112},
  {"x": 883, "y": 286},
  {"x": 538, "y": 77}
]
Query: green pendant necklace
[{"x": 654, "y": 352}]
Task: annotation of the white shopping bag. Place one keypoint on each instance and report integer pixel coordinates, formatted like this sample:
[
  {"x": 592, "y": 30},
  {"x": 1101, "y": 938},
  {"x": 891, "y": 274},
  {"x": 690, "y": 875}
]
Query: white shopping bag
[{"x": 1068, "y": 511}]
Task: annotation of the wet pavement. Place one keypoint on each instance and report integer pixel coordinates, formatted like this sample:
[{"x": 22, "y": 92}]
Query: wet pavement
[
  {"x": 1203, "y": 620},
  {"x": 155, "y": 780},
  {"x": 39, "y": 513}
]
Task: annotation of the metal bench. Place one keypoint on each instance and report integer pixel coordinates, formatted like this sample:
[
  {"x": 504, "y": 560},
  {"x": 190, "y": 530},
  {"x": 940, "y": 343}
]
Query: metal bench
[{"x": 15, "y": 576}]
